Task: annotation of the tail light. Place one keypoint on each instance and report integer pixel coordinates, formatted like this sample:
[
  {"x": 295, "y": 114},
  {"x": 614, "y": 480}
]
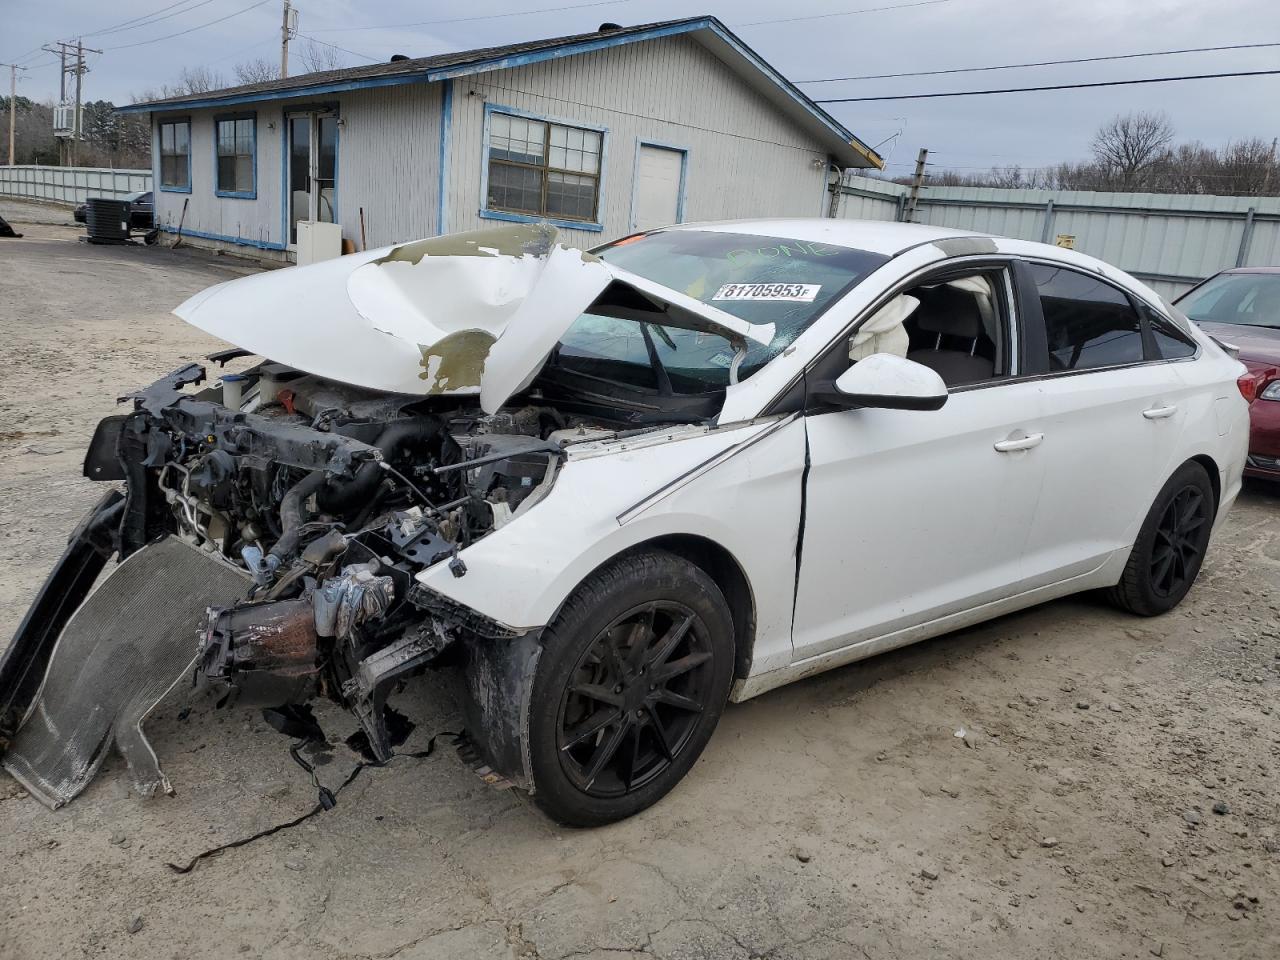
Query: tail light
[{"x": 1251, "y": 383}]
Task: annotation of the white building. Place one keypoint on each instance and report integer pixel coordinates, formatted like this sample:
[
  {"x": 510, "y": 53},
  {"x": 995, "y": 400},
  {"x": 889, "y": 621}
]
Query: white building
[{"x": 602, "y": 134}]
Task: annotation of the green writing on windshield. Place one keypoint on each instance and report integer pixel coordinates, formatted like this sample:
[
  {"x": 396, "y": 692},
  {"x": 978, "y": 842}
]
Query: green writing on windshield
[{"x": 792, "y": 248}]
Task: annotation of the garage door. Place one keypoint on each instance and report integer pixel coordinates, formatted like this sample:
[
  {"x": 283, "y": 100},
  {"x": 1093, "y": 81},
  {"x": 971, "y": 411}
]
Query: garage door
[{"x": 658, "y": 174}]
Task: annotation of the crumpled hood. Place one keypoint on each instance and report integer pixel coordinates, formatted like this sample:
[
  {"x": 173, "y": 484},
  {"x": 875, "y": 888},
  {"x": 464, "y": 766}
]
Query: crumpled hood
[{"x": 467, "y": 313}]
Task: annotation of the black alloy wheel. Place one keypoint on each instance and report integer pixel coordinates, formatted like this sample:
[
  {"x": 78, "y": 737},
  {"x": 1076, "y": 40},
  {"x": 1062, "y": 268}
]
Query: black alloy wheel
[
  {"x": 1170, "y": 545},
  {"x": 1179, "y": 542},
  {"x": 634, "y": 700},
  {"x": 632, "y": 678}
]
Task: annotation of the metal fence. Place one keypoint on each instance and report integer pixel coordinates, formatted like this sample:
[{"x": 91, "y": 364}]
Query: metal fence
[
  {"x": 70, "y": 185},
  {"x": 1171, "y": 241}
]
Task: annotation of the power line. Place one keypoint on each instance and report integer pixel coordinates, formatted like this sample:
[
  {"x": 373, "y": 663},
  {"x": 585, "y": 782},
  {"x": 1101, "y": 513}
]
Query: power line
[
  {"x": 487, "y": 16},
  {"x": 326, "y": 43},
  {"x": 180, "y": 33},
  {"x": 844, "y": 13},
  {"x": 1055, "y": 86},
  {"x": 147, "y": 19},
  {"x": 1043, "y": 63},
  {"x": 607, "y": 3}
]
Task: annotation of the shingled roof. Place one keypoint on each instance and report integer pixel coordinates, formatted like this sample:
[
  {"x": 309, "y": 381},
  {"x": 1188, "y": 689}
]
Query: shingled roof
[{"x": 708, "y": 30}]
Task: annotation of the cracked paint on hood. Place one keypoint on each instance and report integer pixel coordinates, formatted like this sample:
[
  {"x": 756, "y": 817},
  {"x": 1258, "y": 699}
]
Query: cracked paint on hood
[{"x": 466, "y": 313}]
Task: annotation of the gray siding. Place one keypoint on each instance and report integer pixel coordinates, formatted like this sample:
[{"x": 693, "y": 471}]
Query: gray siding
[
  {"x": 258, "y": 221},
  {"x": 389, "y": 162},
  {"x": 746, "y": 158}
]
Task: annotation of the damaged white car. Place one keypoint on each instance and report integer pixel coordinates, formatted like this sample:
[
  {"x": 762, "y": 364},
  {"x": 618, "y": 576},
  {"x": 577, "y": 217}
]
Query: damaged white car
[{"x": 619, "y": 488}]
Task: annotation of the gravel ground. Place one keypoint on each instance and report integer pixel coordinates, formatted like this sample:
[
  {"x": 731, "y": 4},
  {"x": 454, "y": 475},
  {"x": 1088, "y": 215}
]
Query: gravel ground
[{"x": 838, "y": 817}]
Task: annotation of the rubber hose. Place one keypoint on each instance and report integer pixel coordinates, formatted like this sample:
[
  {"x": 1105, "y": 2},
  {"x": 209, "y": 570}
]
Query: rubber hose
[
  {"x": 291, "y": 514},
  {"x": 341, "y": 496}
]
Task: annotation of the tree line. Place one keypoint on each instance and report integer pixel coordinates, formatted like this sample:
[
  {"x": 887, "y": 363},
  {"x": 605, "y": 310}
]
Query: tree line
[
  {"x": 123, "y": 140},
  {"x": 1136, "y": 153}
]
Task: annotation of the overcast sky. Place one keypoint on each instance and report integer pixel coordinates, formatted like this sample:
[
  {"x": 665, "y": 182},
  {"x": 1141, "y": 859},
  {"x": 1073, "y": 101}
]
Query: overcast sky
[{"x": 1031, "y": 129}]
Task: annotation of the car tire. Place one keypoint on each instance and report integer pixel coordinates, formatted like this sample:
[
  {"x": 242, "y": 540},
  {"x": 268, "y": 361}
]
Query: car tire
[
  {"x": 1171, "y": 545},
  {"x": 634, "y": 674}
]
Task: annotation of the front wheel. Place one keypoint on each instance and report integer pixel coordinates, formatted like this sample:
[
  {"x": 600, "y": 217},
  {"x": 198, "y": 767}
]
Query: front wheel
[
  {"x": 1171, "y": 545},
  {"x": 633, "y": 678}
]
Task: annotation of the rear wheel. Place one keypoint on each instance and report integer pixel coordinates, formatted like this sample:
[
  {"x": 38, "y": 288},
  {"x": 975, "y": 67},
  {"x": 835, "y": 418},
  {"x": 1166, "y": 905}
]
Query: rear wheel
[
  {"x": 1171, "y": 545},
  {"x": 633, "y": 677}
]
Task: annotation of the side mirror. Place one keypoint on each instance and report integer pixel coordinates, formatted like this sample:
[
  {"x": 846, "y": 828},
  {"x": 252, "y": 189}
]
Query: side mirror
[{"x": 888, "y": 382}]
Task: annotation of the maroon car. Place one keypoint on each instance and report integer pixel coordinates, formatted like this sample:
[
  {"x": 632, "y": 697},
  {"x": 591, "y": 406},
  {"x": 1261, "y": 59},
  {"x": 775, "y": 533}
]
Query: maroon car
[{"x": 1241, "y": 307}]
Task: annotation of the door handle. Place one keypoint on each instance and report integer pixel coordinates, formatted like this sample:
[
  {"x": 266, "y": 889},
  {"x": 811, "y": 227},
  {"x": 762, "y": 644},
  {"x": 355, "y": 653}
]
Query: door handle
[
  {"x": 1014, "y": 444},
  {"x": 1160, "y": 413}
]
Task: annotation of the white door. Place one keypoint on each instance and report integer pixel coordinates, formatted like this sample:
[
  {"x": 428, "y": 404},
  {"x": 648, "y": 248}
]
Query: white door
[
  {"x": 1112, "y": 422},
  {"x": 659, "y": 175},
  {"x": 912, "y": 515}
]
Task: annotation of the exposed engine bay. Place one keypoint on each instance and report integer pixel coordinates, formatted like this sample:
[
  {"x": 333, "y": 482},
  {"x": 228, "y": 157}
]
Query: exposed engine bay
[{"x": 327, "y": 499}]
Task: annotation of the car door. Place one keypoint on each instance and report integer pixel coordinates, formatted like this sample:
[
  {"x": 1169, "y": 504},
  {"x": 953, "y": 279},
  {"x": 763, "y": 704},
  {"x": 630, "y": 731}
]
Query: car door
[
  {"x": 912, "y": 515},
  {"x": 1113, "y": 414}
]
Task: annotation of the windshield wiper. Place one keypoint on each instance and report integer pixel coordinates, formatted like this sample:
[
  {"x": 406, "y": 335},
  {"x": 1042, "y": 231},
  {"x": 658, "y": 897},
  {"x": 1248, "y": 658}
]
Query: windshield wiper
[{"x": 664, "y": 380}]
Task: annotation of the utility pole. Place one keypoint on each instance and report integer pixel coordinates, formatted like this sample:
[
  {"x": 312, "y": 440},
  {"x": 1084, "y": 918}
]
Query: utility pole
[
  {"x": 79, "y": 68},
  {"x": 75, "y": 119},
  {"x": 288, "y": 29},
  {"x": 917, "y": 183},
  {"x": 13, "y": 105}
]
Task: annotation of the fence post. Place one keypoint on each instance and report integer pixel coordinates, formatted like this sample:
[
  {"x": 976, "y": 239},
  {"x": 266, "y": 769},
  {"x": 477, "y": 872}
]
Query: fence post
[
  {"x": 1245, "y": 236},
  {"x": 1047, "y": 230},
  {"x": 902, "y": 207}
]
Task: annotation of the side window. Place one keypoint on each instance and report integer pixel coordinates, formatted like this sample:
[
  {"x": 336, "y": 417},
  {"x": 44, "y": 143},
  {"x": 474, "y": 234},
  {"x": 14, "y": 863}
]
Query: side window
[
  {"x": 1088, "y": 322},
  {"x": 1170, "y": 343},
  {"x": 957, "y": 325}
]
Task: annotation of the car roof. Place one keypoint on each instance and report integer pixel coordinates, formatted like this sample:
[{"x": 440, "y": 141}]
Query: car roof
[
  {"x": 1253, "y": 270},
  {"x": 877, "y": 236}
]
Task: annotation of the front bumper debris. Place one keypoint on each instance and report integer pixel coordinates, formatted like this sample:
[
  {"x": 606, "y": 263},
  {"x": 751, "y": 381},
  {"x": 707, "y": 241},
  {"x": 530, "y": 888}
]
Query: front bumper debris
[{"x": 126, "y": 646}]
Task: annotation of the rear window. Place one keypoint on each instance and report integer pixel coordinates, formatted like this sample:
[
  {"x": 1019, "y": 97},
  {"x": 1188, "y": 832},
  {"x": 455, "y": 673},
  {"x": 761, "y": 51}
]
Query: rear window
[{"x": 1088, "y": 322}]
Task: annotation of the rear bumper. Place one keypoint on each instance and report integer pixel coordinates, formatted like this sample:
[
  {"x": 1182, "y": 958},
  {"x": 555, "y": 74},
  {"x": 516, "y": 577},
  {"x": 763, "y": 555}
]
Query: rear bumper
[{"x": 1264, "y": 440}]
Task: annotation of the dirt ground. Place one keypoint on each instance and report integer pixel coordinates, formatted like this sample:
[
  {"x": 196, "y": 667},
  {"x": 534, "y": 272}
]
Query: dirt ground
[{"x": 839, "y": 817}]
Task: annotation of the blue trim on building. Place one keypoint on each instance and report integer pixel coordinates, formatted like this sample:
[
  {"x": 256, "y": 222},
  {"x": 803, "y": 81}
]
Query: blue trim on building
[
  {"x": 158, "y": 155},
  {"x": 286, "y": 198},
  {"x": 241, "y": 241},
  {"x": 446, "y": 132},
  {"x": 594, "y": 226},
  {"x": 252, "y": 193},
  {"x": 635, "y": 177}
]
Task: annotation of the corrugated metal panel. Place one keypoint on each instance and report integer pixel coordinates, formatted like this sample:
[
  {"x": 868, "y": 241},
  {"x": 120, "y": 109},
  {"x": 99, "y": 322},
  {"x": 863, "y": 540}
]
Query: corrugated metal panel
[
  {"x": 70, "y": 185},
  {"x": 1169, "y": 240},
  {"x": 745, "y": 158}
]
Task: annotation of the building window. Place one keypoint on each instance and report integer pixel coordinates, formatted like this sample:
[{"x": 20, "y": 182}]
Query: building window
[
  {"x": 175, "y": 155},
  {"x": 543, "y": 169},
  {"x": 235, "y": 145}
]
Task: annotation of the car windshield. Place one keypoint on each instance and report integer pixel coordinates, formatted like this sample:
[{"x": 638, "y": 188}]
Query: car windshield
[
  {"x": 1249, "y": 299},
  {"x": 761, "y": 279}
]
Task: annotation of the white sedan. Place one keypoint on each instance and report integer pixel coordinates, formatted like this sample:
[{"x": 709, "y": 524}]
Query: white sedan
[{"x": 621, "y": 488}]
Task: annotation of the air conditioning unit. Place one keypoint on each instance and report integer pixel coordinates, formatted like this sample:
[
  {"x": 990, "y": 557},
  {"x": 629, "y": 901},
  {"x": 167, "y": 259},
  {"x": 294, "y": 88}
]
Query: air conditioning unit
[{"x": 64, "y": 120}]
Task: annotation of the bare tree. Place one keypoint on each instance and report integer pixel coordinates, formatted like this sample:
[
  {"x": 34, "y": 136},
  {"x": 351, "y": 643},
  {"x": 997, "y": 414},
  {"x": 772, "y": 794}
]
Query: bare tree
[
  {"x": 319, "y": 56},
  {"x": 257, "y": 71},
  {"x": 1129, "y": 146}
]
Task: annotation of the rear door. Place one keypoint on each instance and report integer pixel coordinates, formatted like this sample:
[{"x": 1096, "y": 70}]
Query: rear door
[{"x": 1113, "y": 413}]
